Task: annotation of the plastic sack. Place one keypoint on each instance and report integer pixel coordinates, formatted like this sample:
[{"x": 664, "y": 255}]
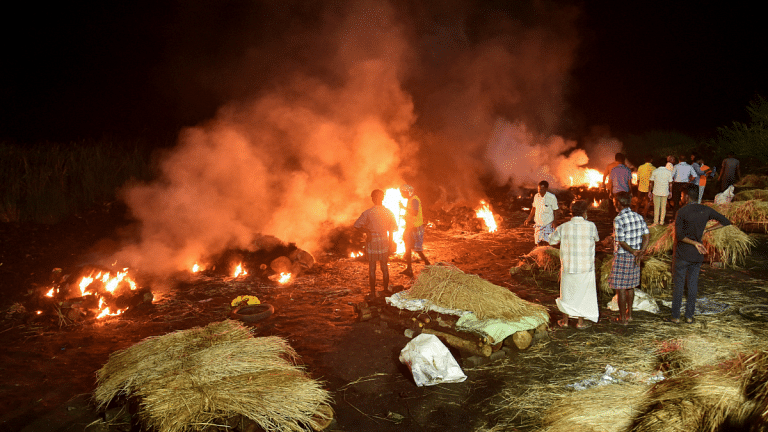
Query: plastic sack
[
  {"x": 643, "y": 302},
  {"x": 430, "y": 361},
  {"x": 724, "y": 197}
]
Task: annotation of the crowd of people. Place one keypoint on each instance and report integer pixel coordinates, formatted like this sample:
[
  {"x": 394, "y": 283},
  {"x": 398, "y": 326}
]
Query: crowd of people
[{"x": 678, "y": 181}]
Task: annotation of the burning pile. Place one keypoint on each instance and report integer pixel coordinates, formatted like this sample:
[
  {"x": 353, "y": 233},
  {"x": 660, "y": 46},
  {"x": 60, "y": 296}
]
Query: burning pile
[
  {"x": 95, "y": 292},
  {"x": 219, "y": 374}
]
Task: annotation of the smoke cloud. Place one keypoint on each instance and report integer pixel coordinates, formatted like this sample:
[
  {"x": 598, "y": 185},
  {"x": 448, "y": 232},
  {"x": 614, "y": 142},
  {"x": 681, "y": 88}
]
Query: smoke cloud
[{"x": 359, "y": 96}]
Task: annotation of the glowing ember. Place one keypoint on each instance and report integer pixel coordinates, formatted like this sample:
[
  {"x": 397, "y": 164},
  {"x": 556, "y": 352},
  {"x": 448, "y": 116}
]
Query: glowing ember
[
  {"x": 239, "y": 271},
  {"x": 38, "y": 312},
  {"x": 195, "y": 268},
  {"x": 484, "y": 213},
  {"x": 355, "y": 254},
  {"x": 392, "y": 201},
  {"x": 596, "y": 203},
  {"x": 49, "y": 293},
  {"x": 587, "y": 177},
  {"x": 284, "y": 278},
  {"x": 634, "y": 178}
]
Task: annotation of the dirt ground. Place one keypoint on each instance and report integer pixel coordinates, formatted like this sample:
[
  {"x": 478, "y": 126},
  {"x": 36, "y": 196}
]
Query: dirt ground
[{"x": 48, "y": 372}]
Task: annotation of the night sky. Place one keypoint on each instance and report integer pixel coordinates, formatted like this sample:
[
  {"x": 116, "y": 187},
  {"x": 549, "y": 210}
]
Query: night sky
[{"x": 146, "y": 69}]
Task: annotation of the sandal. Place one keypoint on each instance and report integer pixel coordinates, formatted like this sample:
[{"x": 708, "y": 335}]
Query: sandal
[{"x": 671, "y": 320}]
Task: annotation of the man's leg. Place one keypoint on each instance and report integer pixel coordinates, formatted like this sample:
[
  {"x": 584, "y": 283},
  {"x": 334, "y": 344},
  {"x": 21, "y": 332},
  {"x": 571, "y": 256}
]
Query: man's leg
[
  {"x": 663, "y": 210},
  {"x": 423, "y": 257},
  {"x": 692, "y": 272},
  {"x": 679, "y": 270},
  {"x": 701, "y": 192},
  {"x": 384, "y": 264},
  {"x": 647, "y": 200},
  {"x": 622, "y": 300},
  {"x": 630, "y": 302},
  {"x": 372, "y": 277}
]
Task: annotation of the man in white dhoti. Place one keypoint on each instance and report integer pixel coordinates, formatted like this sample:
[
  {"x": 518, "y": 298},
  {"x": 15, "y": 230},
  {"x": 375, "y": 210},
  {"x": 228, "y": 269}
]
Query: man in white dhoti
[{"x": 578, "y": 289}]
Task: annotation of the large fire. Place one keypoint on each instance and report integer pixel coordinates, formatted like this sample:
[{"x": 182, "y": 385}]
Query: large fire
[
  {"x": 392, "y": 200},
  {"x": 589, "y": 177},
  {"x": 484, "y": 213},
  {"x": 239, "y": 271}
]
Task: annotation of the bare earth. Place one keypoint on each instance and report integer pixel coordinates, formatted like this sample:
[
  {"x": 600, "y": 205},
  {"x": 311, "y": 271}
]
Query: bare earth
[{"x": 48, "y": 372}]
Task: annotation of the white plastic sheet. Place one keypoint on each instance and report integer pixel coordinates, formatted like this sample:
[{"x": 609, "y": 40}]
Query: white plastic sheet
[
  {"x": 643, "y": 302},
  {"x": 430, "y": 361}
]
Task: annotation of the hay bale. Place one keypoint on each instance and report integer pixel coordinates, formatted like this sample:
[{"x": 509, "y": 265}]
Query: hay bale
[
  {"x": 745, "y": 213},
  {"x": 451, "y": 288},
  {"x": 751, "y": 194},
  {"x": 189, "y": 379},
  {"x": 728, "y": 244},
  {"x": 546, "y": 258}
]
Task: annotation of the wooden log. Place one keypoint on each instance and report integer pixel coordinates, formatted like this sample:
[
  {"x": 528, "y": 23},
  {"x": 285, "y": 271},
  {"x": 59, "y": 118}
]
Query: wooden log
[
  {"x": 461, "y": 344},
  {"x": 522, "y": 339}
]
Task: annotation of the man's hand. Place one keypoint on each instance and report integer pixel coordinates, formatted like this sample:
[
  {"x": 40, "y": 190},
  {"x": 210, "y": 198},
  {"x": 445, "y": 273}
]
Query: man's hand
[
  {"x": 639, "y": 254},
  {"x": 700, "y": 247}
]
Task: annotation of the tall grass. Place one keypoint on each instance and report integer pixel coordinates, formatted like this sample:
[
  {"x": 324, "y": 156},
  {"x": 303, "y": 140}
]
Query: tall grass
[{"x": 45, "y": 183}]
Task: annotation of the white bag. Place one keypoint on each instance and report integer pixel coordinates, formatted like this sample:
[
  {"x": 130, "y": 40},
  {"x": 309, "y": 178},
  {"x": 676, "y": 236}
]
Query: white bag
[
  {"x": 642, "y": 301},
  {"x": 430, "y": 361},
  {"x": 724, "y": 197}
]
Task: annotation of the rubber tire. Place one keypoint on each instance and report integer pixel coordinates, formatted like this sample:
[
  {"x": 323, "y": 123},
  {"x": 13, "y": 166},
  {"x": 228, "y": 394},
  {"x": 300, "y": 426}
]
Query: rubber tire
[{"x": 253, "y": 313}]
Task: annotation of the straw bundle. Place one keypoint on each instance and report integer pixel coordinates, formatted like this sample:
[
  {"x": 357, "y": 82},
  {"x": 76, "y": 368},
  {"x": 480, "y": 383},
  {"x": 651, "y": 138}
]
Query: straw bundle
[
  {"x": 655, "y": 274},
  {"x": 661, "y": 239},
  {"x": 751, "y": 194},
  {"x": 728, "y": 244},
  {"x": 752, "y": 180},
  {"x": 608, "y": 408},
  {"x": 546, "y": 258},
  {"x": 451, "y": 288},
  {"x": 746, "y": 213},
  {"x": 189, "y": 379},
  {"x": 689, "y": 402}
]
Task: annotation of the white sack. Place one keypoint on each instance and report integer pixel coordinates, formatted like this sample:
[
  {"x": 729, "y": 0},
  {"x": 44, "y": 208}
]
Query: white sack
[
  {"x": 430, "y": 361},
  {"x": 642, "y": 302}
]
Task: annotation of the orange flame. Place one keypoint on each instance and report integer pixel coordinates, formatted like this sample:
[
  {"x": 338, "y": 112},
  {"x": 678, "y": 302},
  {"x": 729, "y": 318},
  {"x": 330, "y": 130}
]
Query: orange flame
[
  {"x": 392, "y": 201},
  {"x": 595, "y": 203},
  {"x": 634, "y": 178},
  {"x": 195, "y": 268},
  {"x": 284, "y": 278},
  {"x": 110, "y": 284},
  {"x": 589, "y": 177},
  {"x": 239, "y": 271},
  {"x": 49, "y": 293},
  {"x": 484, "y": 213},
  {"x": 355, "y": 254}
]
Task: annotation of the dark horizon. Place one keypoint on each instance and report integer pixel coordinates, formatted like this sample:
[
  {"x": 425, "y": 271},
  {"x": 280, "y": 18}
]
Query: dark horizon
[{"x": 146, "y": 70}]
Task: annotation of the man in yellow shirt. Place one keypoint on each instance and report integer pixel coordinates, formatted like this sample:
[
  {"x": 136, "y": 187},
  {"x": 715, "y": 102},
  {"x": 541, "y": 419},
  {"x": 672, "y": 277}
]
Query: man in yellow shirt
[
  {"x": 643, "y": 185},
  {"x": 413, "y": 236}
]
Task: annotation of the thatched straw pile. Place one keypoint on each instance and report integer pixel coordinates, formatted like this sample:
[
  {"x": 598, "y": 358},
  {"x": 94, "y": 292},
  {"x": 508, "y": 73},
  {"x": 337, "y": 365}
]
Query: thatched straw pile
[
  {"x": 451, "y": 288},
  {"x": 727, "y": 244},
  {"x": 189, "y": 379},
  {"x": 655, "y": 275},
  {"x": 597, "y": 409},
  {"x": 546, "y": 258},
  {"x": 752, "y": 180},
  {"x": 751, "y": 194},
  {"x": 661, "y": 239}
]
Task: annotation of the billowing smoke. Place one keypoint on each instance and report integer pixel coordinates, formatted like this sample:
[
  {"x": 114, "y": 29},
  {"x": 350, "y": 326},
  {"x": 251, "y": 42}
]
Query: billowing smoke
[{"x": 364, "y": 95}]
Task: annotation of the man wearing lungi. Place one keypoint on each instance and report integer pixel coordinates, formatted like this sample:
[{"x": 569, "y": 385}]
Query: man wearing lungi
[
  {"x": 544, "y": 213},
  {"x": 630, "y": 239},
  {"x": 413, "y": 236},
  {"x": 578, "y": 290},
  {"x": 379, "y": 224}
]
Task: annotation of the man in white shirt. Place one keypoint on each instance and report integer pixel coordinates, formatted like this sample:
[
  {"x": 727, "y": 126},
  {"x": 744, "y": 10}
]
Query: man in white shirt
[
  {"x": 661, "y": 186},
  {"x": 578, "y": 289},
  {"x": 544, "y": 213}
]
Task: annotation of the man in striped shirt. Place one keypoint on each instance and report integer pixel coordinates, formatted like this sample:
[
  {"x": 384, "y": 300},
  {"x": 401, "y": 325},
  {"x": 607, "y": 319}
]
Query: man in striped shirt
[{"x": 578, "y": 289}]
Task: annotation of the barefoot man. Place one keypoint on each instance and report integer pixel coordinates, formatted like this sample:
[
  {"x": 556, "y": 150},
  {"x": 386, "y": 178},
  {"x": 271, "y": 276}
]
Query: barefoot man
[
  {"x": 630, "y": 239},
  {"x": 578, "y": 290},
  {"x": 379, "y": 224}
]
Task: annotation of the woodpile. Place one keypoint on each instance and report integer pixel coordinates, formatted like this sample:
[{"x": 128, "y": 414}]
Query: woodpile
[
  {"x": 295, "y": 263},
  {"x": 475, "y": 349}
]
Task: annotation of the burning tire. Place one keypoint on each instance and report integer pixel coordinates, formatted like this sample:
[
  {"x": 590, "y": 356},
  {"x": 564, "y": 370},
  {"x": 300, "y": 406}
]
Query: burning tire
[{"x": 253, "y": 313}]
